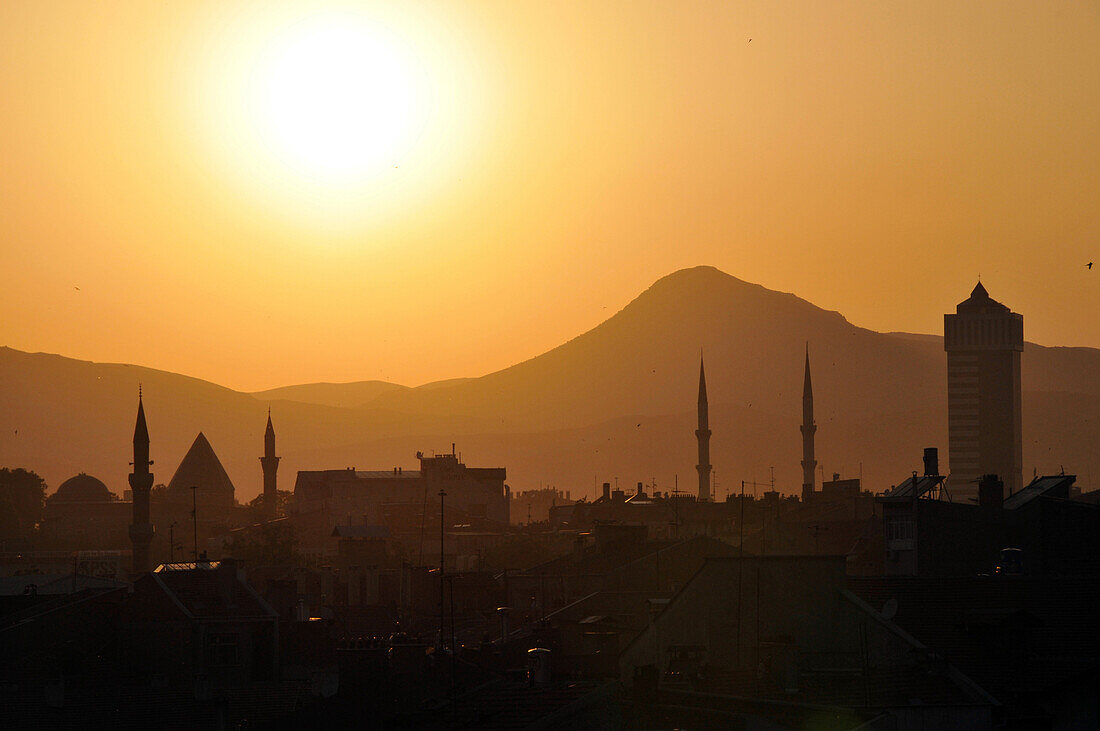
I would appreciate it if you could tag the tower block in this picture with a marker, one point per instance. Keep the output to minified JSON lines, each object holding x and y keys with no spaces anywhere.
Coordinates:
{"x":983,"y":340}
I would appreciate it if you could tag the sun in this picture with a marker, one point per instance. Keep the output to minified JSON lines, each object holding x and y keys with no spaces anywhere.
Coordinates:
{"x":332,"y":121}
{"x":336,"y":100}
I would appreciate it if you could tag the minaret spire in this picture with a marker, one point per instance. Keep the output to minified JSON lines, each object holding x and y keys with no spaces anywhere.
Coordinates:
{"x":270,"y":464}
{"x":809,"y":464}
{"x":703,"y":435}
{"x":141,"y":481}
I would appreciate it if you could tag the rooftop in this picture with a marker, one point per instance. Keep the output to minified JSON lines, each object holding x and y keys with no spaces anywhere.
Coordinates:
{"x":1049,"y":485}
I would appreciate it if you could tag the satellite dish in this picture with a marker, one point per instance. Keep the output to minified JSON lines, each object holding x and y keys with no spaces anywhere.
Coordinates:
{"x":890,"y":608}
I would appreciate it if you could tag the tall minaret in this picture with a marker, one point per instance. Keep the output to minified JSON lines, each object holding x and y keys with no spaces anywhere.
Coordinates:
{"x":141,"y":481}
{"x":270,"y":464}
{"x":809,"y":464}
{"x":703,"y":435}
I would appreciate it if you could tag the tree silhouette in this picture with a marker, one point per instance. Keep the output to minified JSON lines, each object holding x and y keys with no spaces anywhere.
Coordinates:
{"x":271,"y":544}
{"x":22,"y":501}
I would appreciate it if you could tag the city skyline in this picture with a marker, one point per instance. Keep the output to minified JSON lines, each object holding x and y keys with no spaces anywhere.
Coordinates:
{"x":549,"y":364}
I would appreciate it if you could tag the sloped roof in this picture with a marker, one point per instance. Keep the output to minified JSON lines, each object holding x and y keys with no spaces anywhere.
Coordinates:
{"x":361,"y":531}
{"x":980,"y":299}
{"x":1057,"y":614}
{"x":55,"y":584}
{"x":921,"y":485}
{"x":201,"y":468}
{"x":1050,"y":485}
{"x":213,"y":589}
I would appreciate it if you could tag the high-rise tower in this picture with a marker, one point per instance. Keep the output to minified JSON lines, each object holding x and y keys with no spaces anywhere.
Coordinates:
{"x":141,"y":481}
{"x":703,"y":435}
{"x":983,"y":340}
{"x":809,"y":464}
{"x":270,"y":464}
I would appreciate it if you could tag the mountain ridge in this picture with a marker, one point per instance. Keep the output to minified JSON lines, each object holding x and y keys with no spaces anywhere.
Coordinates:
{"x":61,"y":416}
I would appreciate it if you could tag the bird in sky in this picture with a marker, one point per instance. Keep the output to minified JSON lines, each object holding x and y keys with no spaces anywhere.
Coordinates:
{"x":1089,"y":265}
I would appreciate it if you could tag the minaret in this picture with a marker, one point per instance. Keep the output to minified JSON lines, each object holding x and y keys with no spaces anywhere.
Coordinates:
{"x":270,"y":464}
{"x":141,"y":481}
{"x":703,"y":435}
{"x":809,"y":464}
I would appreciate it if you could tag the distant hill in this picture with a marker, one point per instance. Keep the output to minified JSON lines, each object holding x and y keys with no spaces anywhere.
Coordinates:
{"x":617,"y":400}
{"x":346,"y":395}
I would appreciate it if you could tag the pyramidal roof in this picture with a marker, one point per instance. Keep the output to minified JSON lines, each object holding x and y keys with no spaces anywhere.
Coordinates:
{"x":201,"y":468}
{"x":979,"y":299}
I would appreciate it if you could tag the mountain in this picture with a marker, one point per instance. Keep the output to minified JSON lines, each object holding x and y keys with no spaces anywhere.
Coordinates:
{"x":617,"y":400}
{"x":346,"y":395}
{"x":644,"y":360}
{"x":61,"y":416}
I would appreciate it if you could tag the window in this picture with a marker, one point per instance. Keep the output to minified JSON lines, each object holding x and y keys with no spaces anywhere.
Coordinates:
{"x":221,"y":650}
{"x":899,"y":528}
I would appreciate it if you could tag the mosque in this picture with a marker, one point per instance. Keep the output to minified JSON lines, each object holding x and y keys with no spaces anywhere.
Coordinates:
{"x":83,"y":513}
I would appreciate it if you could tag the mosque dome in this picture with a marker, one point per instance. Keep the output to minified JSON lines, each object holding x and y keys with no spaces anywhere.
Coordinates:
{"x":83,"y":488}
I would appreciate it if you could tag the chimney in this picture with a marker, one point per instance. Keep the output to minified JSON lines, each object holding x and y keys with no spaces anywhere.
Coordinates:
{"x":640,"y":493}
{"x":931,"y":461}
{"x":226,"y":577}
{"x":503,"y":612}
{"x":607,"y":491}
{"x":538,"y":667}
{"x":991,"y":492}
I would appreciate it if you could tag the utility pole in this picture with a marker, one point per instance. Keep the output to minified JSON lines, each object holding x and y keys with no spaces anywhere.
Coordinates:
{"x":442,"y":586}
{"x":195,"y":520}
{"x":740,"y":570}
{"x":172,"y":543}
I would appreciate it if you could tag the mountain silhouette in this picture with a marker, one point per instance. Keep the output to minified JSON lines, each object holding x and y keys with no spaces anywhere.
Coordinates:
{"x":349,"y":395}
{"x":616,"y":401}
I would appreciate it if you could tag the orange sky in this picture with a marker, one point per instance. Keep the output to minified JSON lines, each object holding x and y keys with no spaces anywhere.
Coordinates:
{"x":872,"y":157}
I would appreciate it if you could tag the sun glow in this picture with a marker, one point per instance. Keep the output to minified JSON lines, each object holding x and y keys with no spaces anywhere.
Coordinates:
{"x":338,"y":100}
{"x":339,"y":120}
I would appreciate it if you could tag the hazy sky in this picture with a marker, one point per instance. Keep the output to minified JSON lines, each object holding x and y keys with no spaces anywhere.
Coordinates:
{"x":180,"y":165}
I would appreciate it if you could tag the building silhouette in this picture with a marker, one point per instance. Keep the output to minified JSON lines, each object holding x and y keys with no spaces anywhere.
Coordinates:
{"x":270,"y":464}
{"x":201,"y":469}
{"x":398,"y":498}
{"x":983,"y":340}
{"x":703,"y":435}
{"x":84,"y":514}
{"x":809,"y":464}
{"x":141,"y":482}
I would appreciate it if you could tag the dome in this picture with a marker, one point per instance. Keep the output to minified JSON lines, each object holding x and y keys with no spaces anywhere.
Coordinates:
{"x":83,"y":488}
